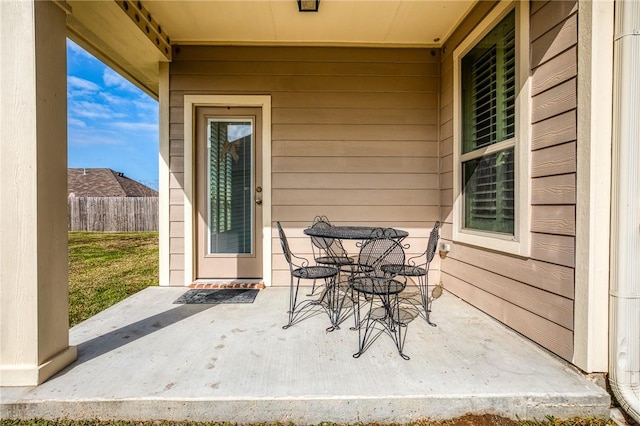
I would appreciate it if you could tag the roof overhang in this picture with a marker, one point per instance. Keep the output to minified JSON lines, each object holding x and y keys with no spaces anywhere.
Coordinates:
{"x":132,"y":36}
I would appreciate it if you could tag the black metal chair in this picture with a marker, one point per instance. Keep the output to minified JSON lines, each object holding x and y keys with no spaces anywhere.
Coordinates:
{"x":299,"y":268}
{"x":378,"y":309}
{"x":418,"y":267}
{"x":328,"y":251}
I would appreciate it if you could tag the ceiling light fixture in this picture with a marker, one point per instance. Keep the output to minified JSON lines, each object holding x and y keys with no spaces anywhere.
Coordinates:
{"x":308,"y":5}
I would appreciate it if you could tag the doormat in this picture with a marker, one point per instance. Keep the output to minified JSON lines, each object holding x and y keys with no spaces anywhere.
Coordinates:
{"x":217,"y":296}
{"x":226,"y":284}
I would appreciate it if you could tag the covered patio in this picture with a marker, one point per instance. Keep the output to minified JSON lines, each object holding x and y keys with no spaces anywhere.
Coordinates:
{"x":363,"y":126}
{"x":149,"y":358}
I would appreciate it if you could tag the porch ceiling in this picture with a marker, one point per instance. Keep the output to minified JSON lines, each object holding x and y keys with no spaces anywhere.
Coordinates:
{"x":104,"y":28}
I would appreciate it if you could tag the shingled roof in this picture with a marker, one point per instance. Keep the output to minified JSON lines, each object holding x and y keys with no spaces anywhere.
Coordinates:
{"x":104,"y":183}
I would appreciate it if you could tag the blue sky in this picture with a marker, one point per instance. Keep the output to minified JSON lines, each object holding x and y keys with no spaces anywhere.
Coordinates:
{"x":111,"y":123}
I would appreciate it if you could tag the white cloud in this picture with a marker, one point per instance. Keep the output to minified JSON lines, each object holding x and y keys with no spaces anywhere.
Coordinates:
{"x":79,"y":51}
{"x":143,"y":127}
{"x":82,"y":84}
{"x":89,"y":109}
{"x":75,"y":122}
{"x":112,"y":99}
{"x":113,"y":79}
{"x":147,"y":104}
{"x":80,"y":88}
{"x":92,"y":137}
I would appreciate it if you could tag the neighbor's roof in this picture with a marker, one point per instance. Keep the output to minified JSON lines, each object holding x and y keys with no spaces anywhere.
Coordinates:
{"x":104,"y":183}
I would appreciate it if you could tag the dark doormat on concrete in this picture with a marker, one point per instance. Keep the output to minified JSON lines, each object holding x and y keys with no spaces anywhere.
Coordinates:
{"x":217,"y":296}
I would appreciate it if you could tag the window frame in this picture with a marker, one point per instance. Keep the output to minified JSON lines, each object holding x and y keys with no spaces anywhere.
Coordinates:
{"x":518,"y":243}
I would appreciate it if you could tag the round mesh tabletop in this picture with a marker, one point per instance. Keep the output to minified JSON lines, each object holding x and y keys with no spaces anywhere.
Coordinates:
{"x":355,"y":232}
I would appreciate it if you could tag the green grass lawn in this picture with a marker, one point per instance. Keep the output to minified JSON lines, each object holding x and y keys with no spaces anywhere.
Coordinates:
{"x":107,"y":267}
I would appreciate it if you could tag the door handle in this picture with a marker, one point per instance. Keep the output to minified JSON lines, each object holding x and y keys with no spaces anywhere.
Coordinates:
{"x":258,"y":200}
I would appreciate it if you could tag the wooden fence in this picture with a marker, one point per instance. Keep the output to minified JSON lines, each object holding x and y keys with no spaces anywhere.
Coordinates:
{"x":113,"y":214}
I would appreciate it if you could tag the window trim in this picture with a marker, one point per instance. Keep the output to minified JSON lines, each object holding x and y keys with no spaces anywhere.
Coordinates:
{"x":517,"y":244}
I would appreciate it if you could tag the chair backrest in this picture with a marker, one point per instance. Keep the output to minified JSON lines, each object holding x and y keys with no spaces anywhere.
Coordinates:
{"x":378,"y":251}
{"x":284,"y":243}
{"x":433,"y":241}
{"x":321,"y":243}
{"x":323,"y":246}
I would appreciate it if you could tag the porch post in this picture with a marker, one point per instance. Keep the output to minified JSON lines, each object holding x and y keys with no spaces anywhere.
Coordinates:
{"x":34,"y":335}
{"x":594,"y":83}
{"x":164,"y":186}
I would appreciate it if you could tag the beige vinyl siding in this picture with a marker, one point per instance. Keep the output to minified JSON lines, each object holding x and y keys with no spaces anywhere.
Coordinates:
{"x":532,"y":295}
{"x":354,"y":135}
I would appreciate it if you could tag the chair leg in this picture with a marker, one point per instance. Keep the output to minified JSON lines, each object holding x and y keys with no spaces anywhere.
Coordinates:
{"x":363,"y":325}
{"x":302,"y":308}
{"x":293,"y":299}
{"x":355,"y":300}
{"x":425,"y":299}
{"x":313,"y":288}
{"x":398,"y":326}
{"x":335,"y":303}
{"x":391,"y":323}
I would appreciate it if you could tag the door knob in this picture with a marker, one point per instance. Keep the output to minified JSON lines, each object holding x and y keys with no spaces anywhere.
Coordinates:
{"x":258,"y":200}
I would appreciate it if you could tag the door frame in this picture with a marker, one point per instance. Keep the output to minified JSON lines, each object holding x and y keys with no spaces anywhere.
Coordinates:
{"x":191,"y":102}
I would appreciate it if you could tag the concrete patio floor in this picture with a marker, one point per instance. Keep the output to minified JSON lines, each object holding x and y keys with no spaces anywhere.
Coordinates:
{"x":149,"y":359}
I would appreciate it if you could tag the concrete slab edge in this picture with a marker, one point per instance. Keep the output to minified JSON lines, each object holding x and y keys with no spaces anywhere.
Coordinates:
{"x":313,"y":411}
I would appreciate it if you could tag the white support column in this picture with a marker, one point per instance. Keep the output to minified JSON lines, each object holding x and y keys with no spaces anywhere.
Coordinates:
{"x":595,"y":79}
{"x":34,"y":308}
{"x":163,"y":181}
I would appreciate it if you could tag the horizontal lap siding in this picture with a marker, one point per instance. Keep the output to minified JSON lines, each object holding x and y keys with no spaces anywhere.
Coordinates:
{"x":532,"y":295}
{"x":354,"y":134}
{"x":554,"y":37}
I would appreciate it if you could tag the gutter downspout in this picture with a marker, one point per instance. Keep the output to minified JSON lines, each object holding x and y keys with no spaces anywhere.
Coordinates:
{"x":624,"y":296}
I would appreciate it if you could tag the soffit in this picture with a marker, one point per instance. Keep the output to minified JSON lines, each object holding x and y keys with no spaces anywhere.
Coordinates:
{"x":103,"y":28}
{"x":338,"y":22}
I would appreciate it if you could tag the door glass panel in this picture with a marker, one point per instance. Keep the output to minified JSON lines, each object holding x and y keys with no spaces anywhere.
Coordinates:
{"x":230,"y":185}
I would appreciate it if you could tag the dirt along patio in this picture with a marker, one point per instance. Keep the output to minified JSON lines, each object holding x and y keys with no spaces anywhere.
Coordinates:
{"x":149,"y":358}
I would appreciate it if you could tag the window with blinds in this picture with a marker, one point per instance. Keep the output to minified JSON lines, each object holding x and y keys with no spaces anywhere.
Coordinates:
{"x":488,"y":92}
{"x":230,"y":176}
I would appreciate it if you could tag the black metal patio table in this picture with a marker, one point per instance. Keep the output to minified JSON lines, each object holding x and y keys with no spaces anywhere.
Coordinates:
{"x":335,"y":302}
{"x":354,"y":232}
